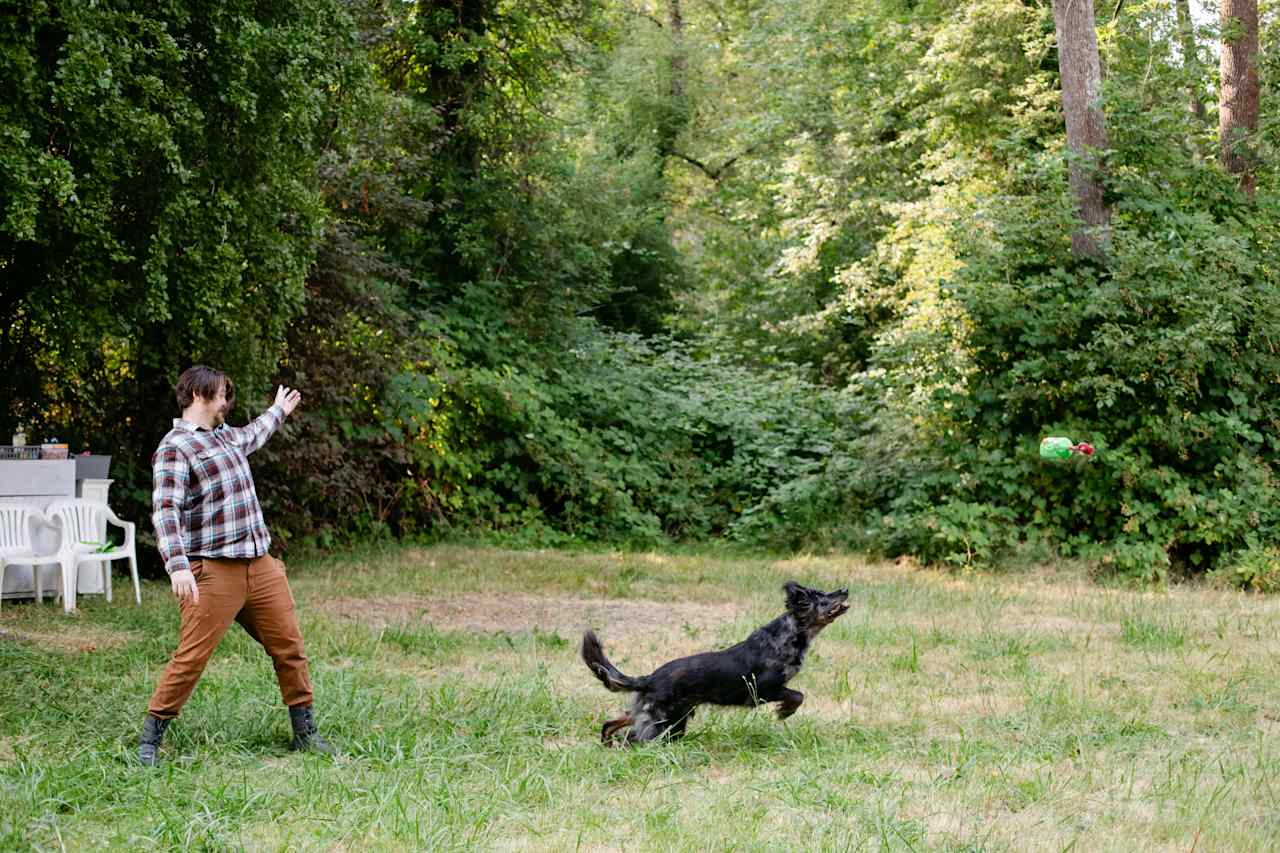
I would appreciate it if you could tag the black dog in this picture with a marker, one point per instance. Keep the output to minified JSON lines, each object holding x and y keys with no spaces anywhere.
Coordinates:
{"x":752,"y":672}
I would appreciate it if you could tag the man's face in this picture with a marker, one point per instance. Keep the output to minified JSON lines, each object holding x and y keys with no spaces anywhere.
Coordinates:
{"x":217,"y":407}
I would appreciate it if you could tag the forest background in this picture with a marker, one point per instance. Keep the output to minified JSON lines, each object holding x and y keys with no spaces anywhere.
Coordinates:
{"x":645,"y":272}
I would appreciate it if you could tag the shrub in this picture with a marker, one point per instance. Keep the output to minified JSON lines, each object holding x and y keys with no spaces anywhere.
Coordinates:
{"x":639,"y":439}
{"x":1255,"y":568}
{"x":622,"y":439}
{"x":1161,"y":355}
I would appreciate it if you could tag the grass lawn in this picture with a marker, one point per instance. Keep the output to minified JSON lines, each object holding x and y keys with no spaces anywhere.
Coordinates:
{"x":1034,"y":711}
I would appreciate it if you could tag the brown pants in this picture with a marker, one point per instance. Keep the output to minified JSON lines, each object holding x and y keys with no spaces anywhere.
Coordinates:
{"x":254,"y":593}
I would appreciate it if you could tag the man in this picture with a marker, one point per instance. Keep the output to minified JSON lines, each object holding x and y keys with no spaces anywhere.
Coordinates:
{"x":214,"y":541}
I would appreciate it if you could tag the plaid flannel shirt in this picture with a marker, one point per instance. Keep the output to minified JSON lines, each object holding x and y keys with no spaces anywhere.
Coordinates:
{"x":204,"y":503}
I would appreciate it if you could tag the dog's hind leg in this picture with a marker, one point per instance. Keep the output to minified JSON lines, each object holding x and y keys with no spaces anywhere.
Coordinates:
{"x":788,"y":701}
{"x":612,"y":727}
{"x":676,"y":731}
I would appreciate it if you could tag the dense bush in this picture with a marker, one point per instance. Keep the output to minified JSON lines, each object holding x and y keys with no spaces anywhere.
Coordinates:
{"x":623,"y":439}
{"x":1162,"y":355}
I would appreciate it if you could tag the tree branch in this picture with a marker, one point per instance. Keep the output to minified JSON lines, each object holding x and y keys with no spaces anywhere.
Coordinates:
{"x":715,"y":173}
{"x":642,"y":14}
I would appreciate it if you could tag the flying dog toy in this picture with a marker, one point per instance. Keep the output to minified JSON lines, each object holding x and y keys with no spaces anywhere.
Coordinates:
{"x":1057,"y":447}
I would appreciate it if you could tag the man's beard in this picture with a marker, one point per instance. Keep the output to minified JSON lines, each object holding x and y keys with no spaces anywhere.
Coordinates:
{"x":219,"y":418}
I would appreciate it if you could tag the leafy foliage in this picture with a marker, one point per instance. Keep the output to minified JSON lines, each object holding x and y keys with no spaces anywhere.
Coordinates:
{"x":786,"y":273}
{"x":1161,"y":356}
{"x":1255,"y":568}
{"x":158,"y":205}
{"x":623,"y":439}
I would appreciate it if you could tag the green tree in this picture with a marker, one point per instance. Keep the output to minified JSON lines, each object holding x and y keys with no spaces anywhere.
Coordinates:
{"x":158,"y":203}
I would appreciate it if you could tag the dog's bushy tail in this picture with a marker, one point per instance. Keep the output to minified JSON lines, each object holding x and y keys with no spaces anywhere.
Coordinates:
{"x":601,"y":668}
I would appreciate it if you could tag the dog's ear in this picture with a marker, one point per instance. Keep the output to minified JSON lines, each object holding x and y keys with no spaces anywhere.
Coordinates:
{"x":799,"y":598}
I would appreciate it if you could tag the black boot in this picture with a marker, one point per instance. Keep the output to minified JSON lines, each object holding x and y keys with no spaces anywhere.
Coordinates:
{"x":305,"y":734}
{"x":149,"y":744}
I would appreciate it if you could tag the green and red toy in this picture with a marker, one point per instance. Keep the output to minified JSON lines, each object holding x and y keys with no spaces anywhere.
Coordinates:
{"x":1057,"y":447}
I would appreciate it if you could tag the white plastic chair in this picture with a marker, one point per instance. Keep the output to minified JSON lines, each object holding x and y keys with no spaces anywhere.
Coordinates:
{"x":17,"y":545}
{"x":81,"y":521}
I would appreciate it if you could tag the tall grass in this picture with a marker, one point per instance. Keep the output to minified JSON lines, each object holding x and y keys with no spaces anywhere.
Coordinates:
{"x":1025,"y":712}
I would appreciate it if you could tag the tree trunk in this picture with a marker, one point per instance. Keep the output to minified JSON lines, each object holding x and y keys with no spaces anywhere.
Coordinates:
{"x":1238,"y":104}
{"x":1190,"y":58}
{"x":1081,"y":74}
{"x":679,"y":62}
{"x":675,"y":117}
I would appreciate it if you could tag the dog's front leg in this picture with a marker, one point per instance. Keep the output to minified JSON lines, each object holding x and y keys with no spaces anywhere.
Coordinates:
{"x":788,"y":701}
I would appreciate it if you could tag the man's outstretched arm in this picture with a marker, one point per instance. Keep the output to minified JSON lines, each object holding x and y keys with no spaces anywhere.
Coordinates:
{"x":255,"y":434}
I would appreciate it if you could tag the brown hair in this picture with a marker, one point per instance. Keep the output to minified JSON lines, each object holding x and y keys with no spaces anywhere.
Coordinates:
{"x":204,"y":382}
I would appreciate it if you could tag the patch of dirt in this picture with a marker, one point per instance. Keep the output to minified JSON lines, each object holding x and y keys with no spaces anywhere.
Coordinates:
{"x":71,"y":639}
{"x":615,"y":619}
{"x":7,"y":751}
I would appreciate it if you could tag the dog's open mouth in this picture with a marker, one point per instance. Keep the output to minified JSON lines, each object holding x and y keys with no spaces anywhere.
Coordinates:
{"x":837,"y":610}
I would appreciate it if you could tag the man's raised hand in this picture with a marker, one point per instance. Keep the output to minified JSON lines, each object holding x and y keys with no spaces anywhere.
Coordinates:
{"x":288,"y":398}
